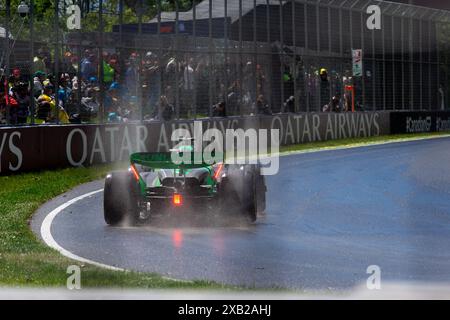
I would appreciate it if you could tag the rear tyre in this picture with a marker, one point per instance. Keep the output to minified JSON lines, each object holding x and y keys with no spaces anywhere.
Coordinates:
{"x":239,"y":191}
{"x":249,"y":199}
{"x":229,"y":201}
{"x":261,"y":190}
{"x":120,"y":200}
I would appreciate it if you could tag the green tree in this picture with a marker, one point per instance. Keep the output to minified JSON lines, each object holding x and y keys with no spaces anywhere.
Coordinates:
{"x":44,"y":15}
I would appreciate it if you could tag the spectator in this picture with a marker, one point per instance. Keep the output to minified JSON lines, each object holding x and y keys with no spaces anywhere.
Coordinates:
{"x":249,"y":81}
{"x":19,"y":113}
{"x":289,"y":105}
{"x":64,"y":91}
{"x":50,"y":80}
{"x":47,"y":109}
{"x":75,"y":83}
{"x":151,"y":83}
{"x":167,"y":110}
{"x":262,"y":107}
{"x":116,"y":111}
{"x":44,"y":103}
{"x":112,"y":98}
{"x":15,"y":78}
{"x":108,"y":71}
{"x":89,"y":103}
{"x":74,"y":64}
{"x":90,"y":88}
{"x":88,"y":69}
{"x":234,"y":97}
{"x":47,"y":58}
{"x":203,"y":84}
{"x":114,"y":63}
{"x":6,"y":101}
{"x":132,"y":75}
{"x":347,"y":102}
{"x":334,"y":104}
{"x":39,"y":61}
{"x":69,"y":64}
{"x":2,"y":104}
{"x":170,"y":71}
{"x":324,"y":86}
{"x":261,"y":79}
{"x":189,"y":85}
{"x":219,"y":110}
{"x":38,"y":79}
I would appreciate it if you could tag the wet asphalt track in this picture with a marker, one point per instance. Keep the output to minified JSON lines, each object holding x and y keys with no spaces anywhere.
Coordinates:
{"x":329,"y":216}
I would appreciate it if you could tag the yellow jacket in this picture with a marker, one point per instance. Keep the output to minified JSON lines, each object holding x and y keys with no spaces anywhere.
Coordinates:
{"x":62,"y":114}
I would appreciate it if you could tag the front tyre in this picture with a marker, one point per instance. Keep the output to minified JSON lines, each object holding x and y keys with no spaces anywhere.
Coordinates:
{"x":120,"y":202}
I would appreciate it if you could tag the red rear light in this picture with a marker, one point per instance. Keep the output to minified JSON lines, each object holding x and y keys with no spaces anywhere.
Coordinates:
{"x":135,"y":172}
{"x":218,"y":171}
{"x":177,"y":199}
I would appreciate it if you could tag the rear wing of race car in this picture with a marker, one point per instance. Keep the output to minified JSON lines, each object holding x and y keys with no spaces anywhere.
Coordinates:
{"x":163,"y":160}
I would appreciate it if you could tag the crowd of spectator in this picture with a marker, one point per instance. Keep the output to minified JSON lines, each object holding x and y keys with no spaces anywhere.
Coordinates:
{"x":141,"y":86}
{"x":134,"y":86}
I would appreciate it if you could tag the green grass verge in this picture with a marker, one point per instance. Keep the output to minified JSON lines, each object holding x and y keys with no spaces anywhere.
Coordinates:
{"x":26,"y":261}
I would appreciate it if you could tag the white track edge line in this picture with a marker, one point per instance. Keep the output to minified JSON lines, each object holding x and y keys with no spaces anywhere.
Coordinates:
{"x":51,"y":242}
{"x":47,"y":236}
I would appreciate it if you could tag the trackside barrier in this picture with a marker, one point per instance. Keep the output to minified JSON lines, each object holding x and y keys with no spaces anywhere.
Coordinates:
{"x":416,"y":122}
{"x":50,"y":146}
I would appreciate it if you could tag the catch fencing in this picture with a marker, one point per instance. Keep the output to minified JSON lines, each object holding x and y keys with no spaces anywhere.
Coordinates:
{"x":254,"y":56}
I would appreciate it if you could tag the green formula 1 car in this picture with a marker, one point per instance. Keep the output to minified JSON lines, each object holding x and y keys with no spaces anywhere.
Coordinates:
{"x":154,"y":185}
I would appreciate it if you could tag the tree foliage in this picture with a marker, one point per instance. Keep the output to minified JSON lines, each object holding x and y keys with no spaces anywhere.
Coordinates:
{"x":44,"y":15}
